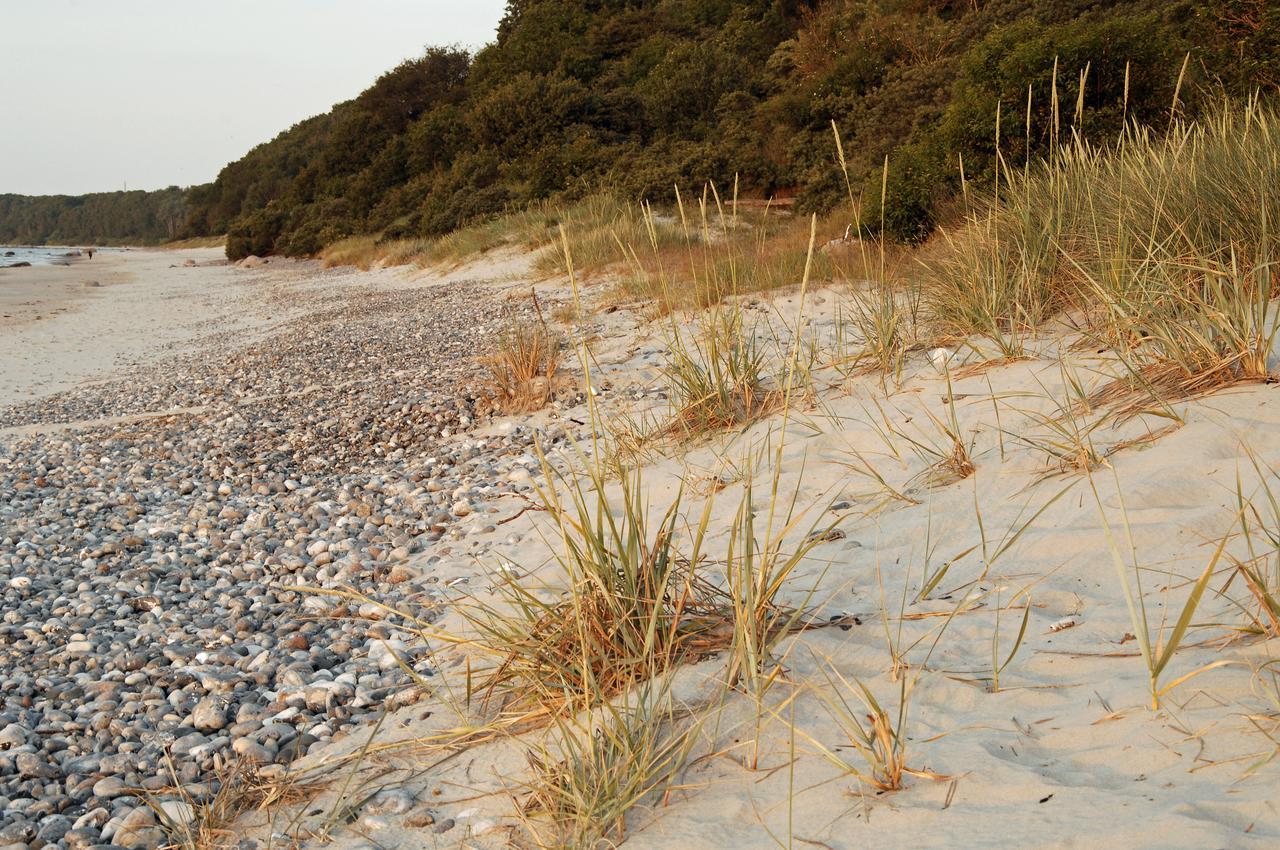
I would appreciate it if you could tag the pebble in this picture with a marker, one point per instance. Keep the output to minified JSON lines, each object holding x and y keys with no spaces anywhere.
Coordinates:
{"x":150,"y":569}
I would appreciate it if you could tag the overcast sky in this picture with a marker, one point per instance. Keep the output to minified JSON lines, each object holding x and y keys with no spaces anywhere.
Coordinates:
{"x":96,"y":94}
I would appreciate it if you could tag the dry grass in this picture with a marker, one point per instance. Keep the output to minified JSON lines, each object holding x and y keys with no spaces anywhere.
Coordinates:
{"x":209,"y":824}
{"x":724,"y":253}
{"x":718,"y":376}
{"x":196,"y":242}
{"x":532,"y":228}
{"x":605,"y":231}
{"x":524,"y":365}
{"x":369,"y":252}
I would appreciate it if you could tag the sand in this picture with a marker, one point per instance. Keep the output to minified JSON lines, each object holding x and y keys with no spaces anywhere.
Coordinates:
{"x":58,"y":330}
{"x":1068,"y":753}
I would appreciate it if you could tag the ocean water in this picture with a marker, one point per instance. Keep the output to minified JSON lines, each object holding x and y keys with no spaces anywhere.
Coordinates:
{"x":44,"y":255}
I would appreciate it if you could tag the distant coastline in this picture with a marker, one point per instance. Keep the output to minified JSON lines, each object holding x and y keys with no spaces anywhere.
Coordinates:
{"x":21,"y":256}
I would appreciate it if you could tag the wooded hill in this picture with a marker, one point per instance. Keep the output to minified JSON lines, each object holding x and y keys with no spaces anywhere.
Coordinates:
{"x":641,"y":96}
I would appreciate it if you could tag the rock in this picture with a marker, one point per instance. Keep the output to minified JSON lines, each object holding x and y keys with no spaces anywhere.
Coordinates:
{"x":91,"y":284}
{"x":177,"y":812}
{"x":53,"y":829}
{"x":419,"y":818}
{"x":150,"y":838}
{"x":251,"y":751}
{"x":14,"y":735}
{"x":209,"y":715}
{"x":80,"y":839}
{"x":390,"y":801}
{"x":34,"y":766}
{"x":149,"y":573}
{"x":252,"y":261}
{"x":135,"y":828}
{"x":109,"y":787}
{"x":400,"y":574}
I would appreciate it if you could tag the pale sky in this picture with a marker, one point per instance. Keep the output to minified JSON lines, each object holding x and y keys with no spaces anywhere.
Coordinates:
{"x":95,"y":94}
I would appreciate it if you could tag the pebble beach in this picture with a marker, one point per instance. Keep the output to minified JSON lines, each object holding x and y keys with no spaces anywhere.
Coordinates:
{"x":245,"y":510}
{"x":153,"y":630}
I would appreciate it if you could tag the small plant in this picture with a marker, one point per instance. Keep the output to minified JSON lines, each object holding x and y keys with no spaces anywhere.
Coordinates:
{"x":1066,"y":436}
{"x":886,"y":325}
{"x":886,"y":331}
{"x":884,"y":493}
{"x":717,"y":379}
{"x":597,"y":771}
{"x":524,"y":365}
{"x":878,"y":738}
{"x":1260,"y":529}
{"x":947,"y":450}
{"x":756,"y":572}
{"x":998,"y":666}
{"x":1157,"y":653}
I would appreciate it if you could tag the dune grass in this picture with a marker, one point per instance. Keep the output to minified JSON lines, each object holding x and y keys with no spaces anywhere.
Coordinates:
{"x":1160,"y":245}
{"x":523,"y":365}
{"x":634,"y":601}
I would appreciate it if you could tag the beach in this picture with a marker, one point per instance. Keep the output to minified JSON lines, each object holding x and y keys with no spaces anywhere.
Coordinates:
{"x":91,"y":318}
{"x":243,"y":506}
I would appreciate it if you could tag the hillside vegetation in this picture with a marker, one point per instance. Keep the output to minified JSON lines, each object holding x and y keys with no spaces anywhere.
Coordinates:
{"x":637,"y":97}
{"x":643,"y":95}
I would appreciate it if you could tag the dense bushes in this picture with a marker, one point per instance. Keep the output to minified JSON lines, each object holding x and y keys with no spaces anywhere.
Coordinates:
{"x":642,"y":95}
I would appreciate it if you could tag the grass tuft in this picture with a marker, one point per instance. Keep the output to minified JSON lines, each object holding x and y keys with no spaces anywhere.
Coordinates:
{"x":524,"y":366}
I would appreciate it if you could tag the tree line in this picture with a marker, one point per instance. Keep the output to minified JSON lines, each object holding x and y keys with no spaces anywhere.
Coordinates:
{"x":105,"y":218}
{"x":642,"y":96}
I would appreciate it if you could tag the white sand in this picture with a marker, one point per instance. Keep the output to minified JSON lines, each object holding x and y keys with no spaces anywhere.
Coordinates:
{"x":1067,"y":754}
{"x":58,"y":332}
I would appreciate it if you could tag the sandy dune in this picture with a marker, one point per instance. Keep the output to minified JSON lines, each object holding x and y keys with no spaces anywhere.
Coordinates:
{"x":1067,"y":753}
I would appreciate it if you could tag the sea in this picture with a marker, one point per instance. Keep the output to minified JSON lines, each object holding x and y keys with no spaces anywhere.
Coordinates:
{"x":42,"y":255}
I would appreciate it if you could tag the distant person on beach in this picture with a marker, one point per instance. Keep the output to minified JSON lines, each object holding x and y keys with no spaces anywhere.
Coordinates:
{"x":89,"y":251}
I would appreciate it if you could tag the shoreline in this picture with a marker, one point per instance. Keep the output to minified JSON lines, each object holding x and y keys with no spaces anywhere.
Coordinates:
{"x":65,"y":324}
